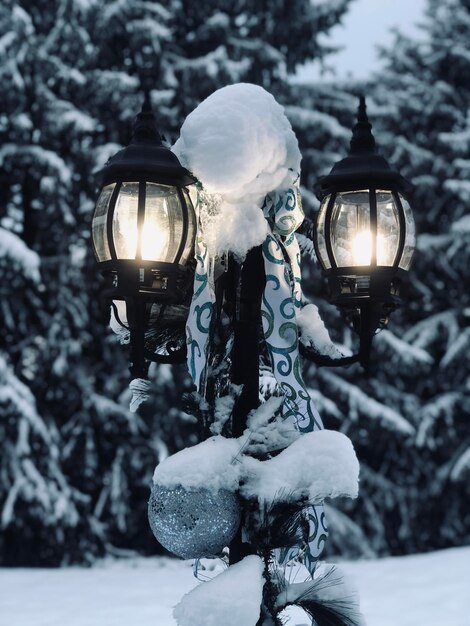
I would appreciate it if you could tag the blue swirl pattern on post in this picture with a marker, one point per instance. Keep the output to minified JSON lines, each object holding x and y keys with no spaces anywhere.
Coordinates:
{"x":282,"y":297}
{"x":199,"y":317}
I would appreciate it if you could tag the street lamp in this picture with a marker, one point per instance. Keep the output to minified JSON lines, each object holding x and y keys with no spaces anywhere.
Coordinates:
{"x":365,"y":234}
{"x":143,"y":232}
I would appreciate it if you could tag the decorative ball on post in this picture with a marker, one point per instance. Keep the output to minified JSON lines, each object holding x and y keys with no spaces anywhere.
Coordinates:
{"x":365,"y":234}
{"x":193,"y":523}
{"x":143,"y":231}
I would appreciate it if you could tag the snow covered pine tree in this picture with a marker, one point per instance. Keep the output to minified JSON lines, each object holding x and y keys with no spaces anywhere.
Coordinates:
{"x":69,"y":92}
{"x":75,"y":463}
{"x":422,"y":101}
{"x":408,"y":421}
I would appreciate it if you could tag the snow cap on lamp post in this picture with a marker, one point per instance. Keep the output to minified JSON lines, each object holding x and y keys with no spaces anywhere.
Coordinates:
{"x":365,"y":233}
{"x":143,"y":231}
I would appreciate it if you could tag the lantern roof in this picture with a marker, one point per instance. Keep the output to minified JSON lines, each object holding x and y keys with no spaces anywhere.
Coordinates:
{"x":363,"y":167}
{"x":146,"y":157}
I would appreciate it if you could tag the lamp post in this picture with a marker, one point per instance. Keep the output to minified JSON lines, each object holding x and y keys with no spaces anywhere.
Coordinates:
{"x":365,"y":234}
{"x":143,"y":232}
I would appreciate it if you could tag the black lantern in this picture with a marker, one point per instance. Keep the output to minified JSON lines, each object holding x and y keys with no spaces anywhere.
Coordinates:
{"x":365,"y":233}
{"x":143,"y":231}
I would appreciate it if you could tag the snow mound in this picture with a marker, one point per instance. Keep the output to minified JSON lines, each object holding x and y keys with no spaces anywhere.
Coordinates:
{"x":318,"y":465}
{"x":246,"y":125}
{"x":211,"y":465}
{"x":232,"y":598}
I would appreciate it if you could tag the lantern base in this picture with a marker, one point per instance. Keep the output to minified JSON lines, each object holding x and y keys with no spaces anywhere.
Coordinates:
{"x":162,"y":283}
{"x":352,"y":287}
{"x":367,"y":296}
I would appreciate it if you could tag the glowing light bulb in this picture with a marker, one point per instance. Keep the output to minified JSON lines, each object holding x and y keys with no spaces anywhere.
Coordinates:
{"x":362,"y":249}
{"x":154,"y":240}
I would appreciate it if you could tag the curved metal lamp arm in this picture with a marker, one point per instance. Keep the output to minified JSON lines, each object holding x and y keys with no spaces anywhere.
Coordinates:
{"x":326,"y":361}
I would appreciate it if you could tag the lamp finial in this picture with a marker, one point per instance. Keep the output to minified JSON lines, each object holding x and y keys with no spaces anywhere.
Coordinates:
{"x":362,"y":140}
{"x":145,"y":128}
{"x":147,"y":103}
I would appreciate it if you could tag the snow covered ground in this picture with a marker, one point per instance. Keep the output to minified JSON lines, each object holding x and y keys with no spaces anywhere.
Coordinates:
{"x":422,"y":590}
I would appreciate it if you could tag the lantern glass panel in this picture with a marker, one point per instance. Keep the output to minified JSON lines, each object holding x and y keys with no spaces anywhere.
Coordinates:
{"x":320,"y":234}
{"x":351,"y":238}
{"x":163,"y":225}
{"x":388,"y":228}
{"x":410,"y":236}
{"x":125,"y":233}
{"x":98,"y":227}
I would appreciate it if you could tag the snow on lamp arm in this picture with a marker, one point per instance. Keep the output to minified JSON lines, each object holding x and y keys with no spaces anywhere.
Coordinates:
{"x":143,"y":232}
{"x":365,"y":236}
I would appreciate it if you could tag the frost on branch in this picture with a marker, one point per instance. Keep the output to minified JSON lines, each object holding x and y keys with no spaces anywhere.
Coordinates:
{"x":267,"y":431}
{"x":41,"y":488}
{"x":223,"y":408}
{"x":232,"y":598}
{"x":409,"y":355}
{"x":14,"y":251}
{"x":461,"y":468}
{"x":359,"y":403}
